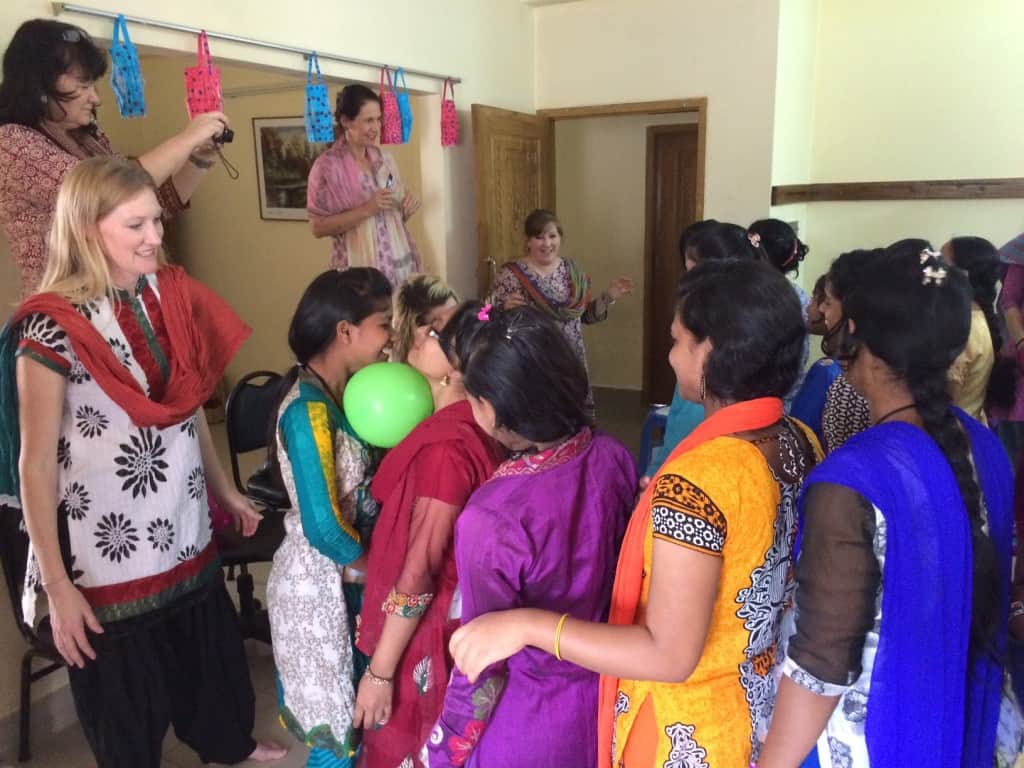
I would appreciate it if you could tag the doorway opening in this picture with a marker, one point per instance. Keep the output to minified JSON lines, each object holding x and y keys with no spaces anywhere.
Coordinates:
{"x":625,"y":179}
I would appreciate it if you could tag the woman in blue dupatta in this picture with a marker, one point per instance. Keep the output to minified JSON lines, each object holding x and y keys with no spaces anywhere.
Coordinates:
{"x":904,"y":566}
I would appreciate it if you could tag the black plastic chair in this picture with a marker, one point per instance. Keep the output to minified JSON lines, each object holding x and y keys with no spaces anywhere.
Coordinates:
{"x":14,"y":556}
{"x":248,"y":415}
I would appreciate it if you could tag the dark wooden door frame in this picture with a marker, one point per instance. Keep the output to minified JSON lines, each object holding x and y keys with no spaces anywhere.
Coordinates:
{"x":650,"y":220}
{"x":698,"y":106}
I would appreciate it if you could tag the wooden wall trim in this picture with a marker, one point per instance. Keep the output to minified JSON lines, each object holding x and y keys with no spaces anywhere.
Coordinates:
{"x":947,"y":189}
{"x":629,"y":108}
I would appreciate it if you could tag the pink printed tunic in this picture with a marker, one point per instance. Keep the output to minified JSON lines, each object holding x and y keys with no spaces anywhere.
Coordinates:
{"x":336,"y":184}
{"x":32,"y":166}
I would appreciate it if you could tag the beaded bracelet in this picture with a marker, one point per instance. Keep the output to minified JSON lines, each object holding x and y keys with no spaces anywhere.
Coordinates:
{"x":377,"y":680}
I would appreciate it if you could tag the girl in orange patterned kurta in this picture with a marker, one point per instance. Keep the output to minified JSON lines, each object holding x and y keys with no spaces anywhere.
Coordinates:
{"x":705,"y":571}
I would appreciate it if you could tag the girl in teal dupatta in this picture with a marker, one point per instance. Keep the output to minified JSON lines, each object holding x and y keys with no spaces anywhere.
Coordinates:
{"x":555,"y":285}
{"x":314,"y":593}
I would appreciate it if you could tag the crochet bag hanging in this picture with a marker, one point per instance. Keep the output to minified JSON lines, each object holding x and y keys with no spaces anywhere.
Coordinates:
{"x":202,"y":82}
{"x":319,"y":122}
{"x":404,"y":109}
{"x":390,"y":118}
{"x":449,"y":117}
{"x":126,"y":74}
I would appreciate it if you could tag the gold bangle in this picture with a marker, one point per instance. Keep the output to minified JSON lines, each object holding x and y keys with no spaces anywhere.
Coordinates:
{"x":558,"y":636}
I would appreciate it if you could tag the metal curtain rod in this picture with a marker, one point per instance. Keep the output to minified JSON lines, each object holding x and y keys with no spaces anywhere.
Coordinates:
{"x":59,"y":8}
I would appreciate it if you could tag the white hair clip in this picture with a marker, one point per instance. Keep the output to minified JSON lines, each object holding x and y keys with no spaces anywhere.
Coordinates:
{"x":928,"y":253}
{"x":754,"y":238}
{"x":933,"y":275}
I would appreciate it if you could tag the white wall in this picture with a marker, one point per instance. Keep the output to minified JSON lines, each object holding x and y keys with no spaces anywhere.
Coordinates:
{"x":608,"y":51}
{"x":600,"y":189}
{"x":917,"y":89}
{"x":793,"y":137}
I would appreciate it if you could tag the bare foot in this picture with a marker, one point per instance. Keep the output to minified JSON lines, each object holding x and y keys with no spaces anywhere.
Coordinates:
{"x":267,"y":751}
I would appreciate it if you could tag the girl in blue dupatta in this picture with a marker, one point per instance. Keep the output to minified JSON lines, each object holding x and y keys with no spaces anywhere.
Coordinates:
{"x":895,"y":656}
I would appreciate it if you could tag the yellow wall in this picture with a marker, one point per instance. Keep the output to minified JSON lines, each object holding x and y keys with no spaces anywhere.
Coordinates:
{"x":608,"y":51}
{"x":260,"y":266}
{"x":600,"y":189}
{"x":915,"y":90}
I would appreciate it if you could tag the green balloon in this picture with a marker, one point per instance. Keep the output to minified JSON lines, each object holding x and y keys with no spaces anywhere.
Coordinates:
{"x":385,"y":401}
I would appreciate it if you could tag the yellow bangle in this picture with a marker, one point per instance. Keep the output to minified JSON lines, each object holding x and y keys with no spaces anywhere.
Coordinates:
{"x":558,"y":636}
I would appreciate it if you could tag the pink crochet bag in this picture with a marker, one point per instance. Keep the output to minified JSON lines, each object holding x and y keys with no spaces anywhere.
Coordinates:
{"x":390,"y":117}
{"x":449,"y":117}
{"x":202,"y":82}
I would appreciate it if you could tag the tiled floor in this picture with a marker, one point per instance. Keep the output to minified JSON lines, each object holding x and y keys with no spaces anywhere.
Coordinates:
{"x":620,"y":413}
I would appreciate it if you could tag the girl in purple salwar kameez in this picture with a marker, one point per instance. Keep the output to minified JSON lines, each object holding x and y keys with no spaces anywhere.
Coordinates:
{"x":544,"y":532}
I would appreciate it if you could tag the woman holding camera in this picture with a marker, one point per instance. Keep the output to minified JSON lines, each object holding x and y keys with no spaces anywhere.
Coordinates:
{"x":48,"y":101}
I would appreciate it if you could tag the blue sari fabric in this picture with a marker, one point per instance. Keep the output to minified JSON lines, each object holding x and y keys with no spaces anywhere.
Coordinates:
{"x":928,"y":699}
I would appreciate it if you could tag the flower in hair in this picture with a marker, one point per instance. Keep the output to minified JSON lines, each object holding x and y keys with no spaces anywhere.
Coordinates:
{"x":928,"y":253}
{"x":484,"y":314}
{"x":933,"y":275}
{"x":754,"y":238}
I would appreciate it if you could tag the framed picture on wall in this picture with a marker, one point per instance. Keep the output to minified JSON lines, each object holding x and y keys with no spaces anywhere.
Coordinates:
{"x":283,"y":161}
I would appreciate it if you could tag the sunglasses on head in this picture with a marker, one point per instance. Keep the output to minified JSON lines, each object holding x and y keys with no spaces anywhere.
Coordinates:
{"x":74,"y":35}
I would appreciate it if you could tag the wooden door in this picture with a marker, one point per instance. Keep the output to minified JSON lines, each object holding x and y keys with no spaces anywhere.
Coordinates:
{"x":515,"y":173}
{"x":672,"y":172}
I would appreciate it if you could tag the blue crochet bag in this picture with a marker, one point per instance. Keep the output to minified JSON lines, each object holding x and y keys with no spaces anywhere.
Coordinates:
{"x":319,"y":121}
{"x":126,"y":75}
{"x":404,"y":109}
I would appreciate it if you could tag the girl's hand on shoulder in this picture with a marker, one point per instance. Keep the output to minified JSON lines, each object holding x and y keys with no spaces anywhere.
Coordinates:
{"x":486,"y":640}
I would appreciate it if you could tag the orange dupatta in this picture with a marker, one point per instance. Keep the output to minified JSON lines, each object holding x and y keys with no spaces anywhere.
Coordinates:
{"x":741,"y":417}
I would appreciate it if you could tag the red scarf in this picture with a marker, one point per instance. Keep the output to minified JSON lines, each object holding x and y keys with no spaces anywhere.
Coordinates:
{"x":397,"y":496}
{"x":204,"y":331}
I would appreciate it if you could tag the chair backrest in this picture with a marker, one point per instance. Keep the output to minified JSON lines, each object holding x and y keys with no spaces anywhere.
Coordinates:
{"x":14,"y":558}
{"x":248,"y":415}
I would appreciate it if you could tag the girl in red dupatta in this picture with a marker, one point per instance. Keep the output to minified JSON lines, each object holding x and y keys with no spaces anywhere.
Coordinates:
{"x":411,"y":603}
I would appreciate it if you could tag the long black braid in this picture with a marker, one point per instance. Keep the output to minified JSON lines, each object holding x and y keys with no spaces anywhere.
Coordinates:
{"x":914,"y":314}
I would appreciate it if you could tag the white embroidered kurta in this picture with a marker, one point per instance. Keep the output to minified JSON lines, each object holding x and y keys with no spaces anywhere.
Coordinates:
{"x":326,"y":471}
{"x":133,"y":499}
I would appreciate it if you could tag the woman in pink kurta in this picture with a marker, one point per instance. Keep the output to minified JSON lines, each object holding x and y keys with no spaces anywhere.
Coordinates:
{"x":355,"y":195}
{"x":48,"y":102}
